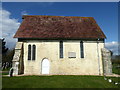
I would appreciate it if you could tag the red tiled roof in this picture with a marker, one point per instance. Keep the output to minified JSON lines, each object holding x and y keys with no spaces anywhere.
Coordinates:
{"x":64,"y":27}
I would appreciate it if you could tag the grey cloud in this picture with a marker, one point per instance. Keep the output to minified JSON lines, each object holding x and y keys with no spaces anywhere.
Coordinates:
{"x":113,"y":46}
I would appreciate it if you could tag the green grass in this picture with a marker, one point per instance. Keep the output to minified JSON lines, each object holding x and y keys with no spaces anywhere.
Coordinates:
{"x":5,"y":73}
{"x":115,"y":69}
{"x":57,"y":81}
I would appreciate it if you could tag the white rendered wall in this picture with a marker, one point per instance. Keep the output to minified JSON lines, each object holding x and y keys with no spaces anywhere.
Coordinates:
{"x":68,"y":66}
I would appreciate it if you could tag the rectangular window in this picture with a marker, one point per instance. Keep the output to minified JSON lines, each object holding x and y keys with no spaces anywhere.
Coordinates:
{"x":33,"y":52}
{"x":61,"y":49}
{"x":29,"y":52}
{"x":81,"y":49}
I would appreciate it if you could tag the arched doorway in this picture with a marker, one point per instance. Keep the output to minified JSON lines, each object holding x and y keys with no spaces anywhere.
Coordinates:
{"x":45,"y":66}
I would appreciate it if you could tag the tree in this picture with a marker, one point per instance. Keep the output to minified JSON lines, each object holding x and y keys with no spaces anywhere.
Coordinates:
{"x":111,"y":53}
{"x":7,"y":59}
{"x":4,"y":49}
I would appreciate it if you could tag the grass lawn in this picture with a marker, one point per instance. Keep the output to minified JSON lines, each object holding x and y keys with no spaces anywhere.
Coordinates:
{"x":5,"y":73}
{"x":56,"y":81}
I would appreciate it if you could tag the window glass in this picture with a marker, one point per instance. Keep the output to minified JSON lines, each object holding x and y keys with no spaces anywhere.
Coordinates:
{"x":81,"y":49}
{"x":29,"y":52}
{"x":33,"y":52}
{"x":61,"y":49}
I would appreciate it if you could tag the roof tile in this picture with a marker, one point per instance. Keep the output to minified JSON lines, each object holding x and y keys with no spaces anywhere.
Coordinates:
{"x":65,"y":27}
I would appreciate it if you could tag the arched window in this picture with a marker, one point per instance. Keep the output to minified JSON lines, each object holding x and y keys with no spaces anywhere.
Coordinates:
{"x":33,"y":52}
{"x":29,"y":52}
{"x":61,"y":49}
{"x":81,"y":49}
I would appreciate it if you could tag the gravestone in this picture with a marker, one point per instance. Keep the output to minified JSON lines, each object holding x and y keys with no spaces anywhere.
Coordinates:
{"x":106,"y":58}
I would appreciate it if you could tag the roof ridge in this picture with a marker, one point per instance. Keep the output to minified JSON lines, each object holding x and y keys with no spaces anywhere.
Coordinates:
{"x":24,"y":16}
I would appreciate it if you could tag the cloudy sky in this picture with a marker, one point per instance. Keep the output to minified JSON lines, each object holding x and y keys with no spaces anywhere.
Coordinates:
{"x":106,"y":15}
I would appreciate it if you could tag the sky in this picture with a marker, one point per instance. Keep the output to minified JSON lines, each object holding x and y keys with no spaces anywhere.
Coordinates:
{"x":106,"y":15}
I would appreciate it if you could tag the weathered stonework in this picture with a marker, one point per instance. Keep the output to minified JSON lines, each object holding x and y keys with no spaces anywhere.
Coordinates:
{"x":17,"y":58}
{"x":107,"y":65}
